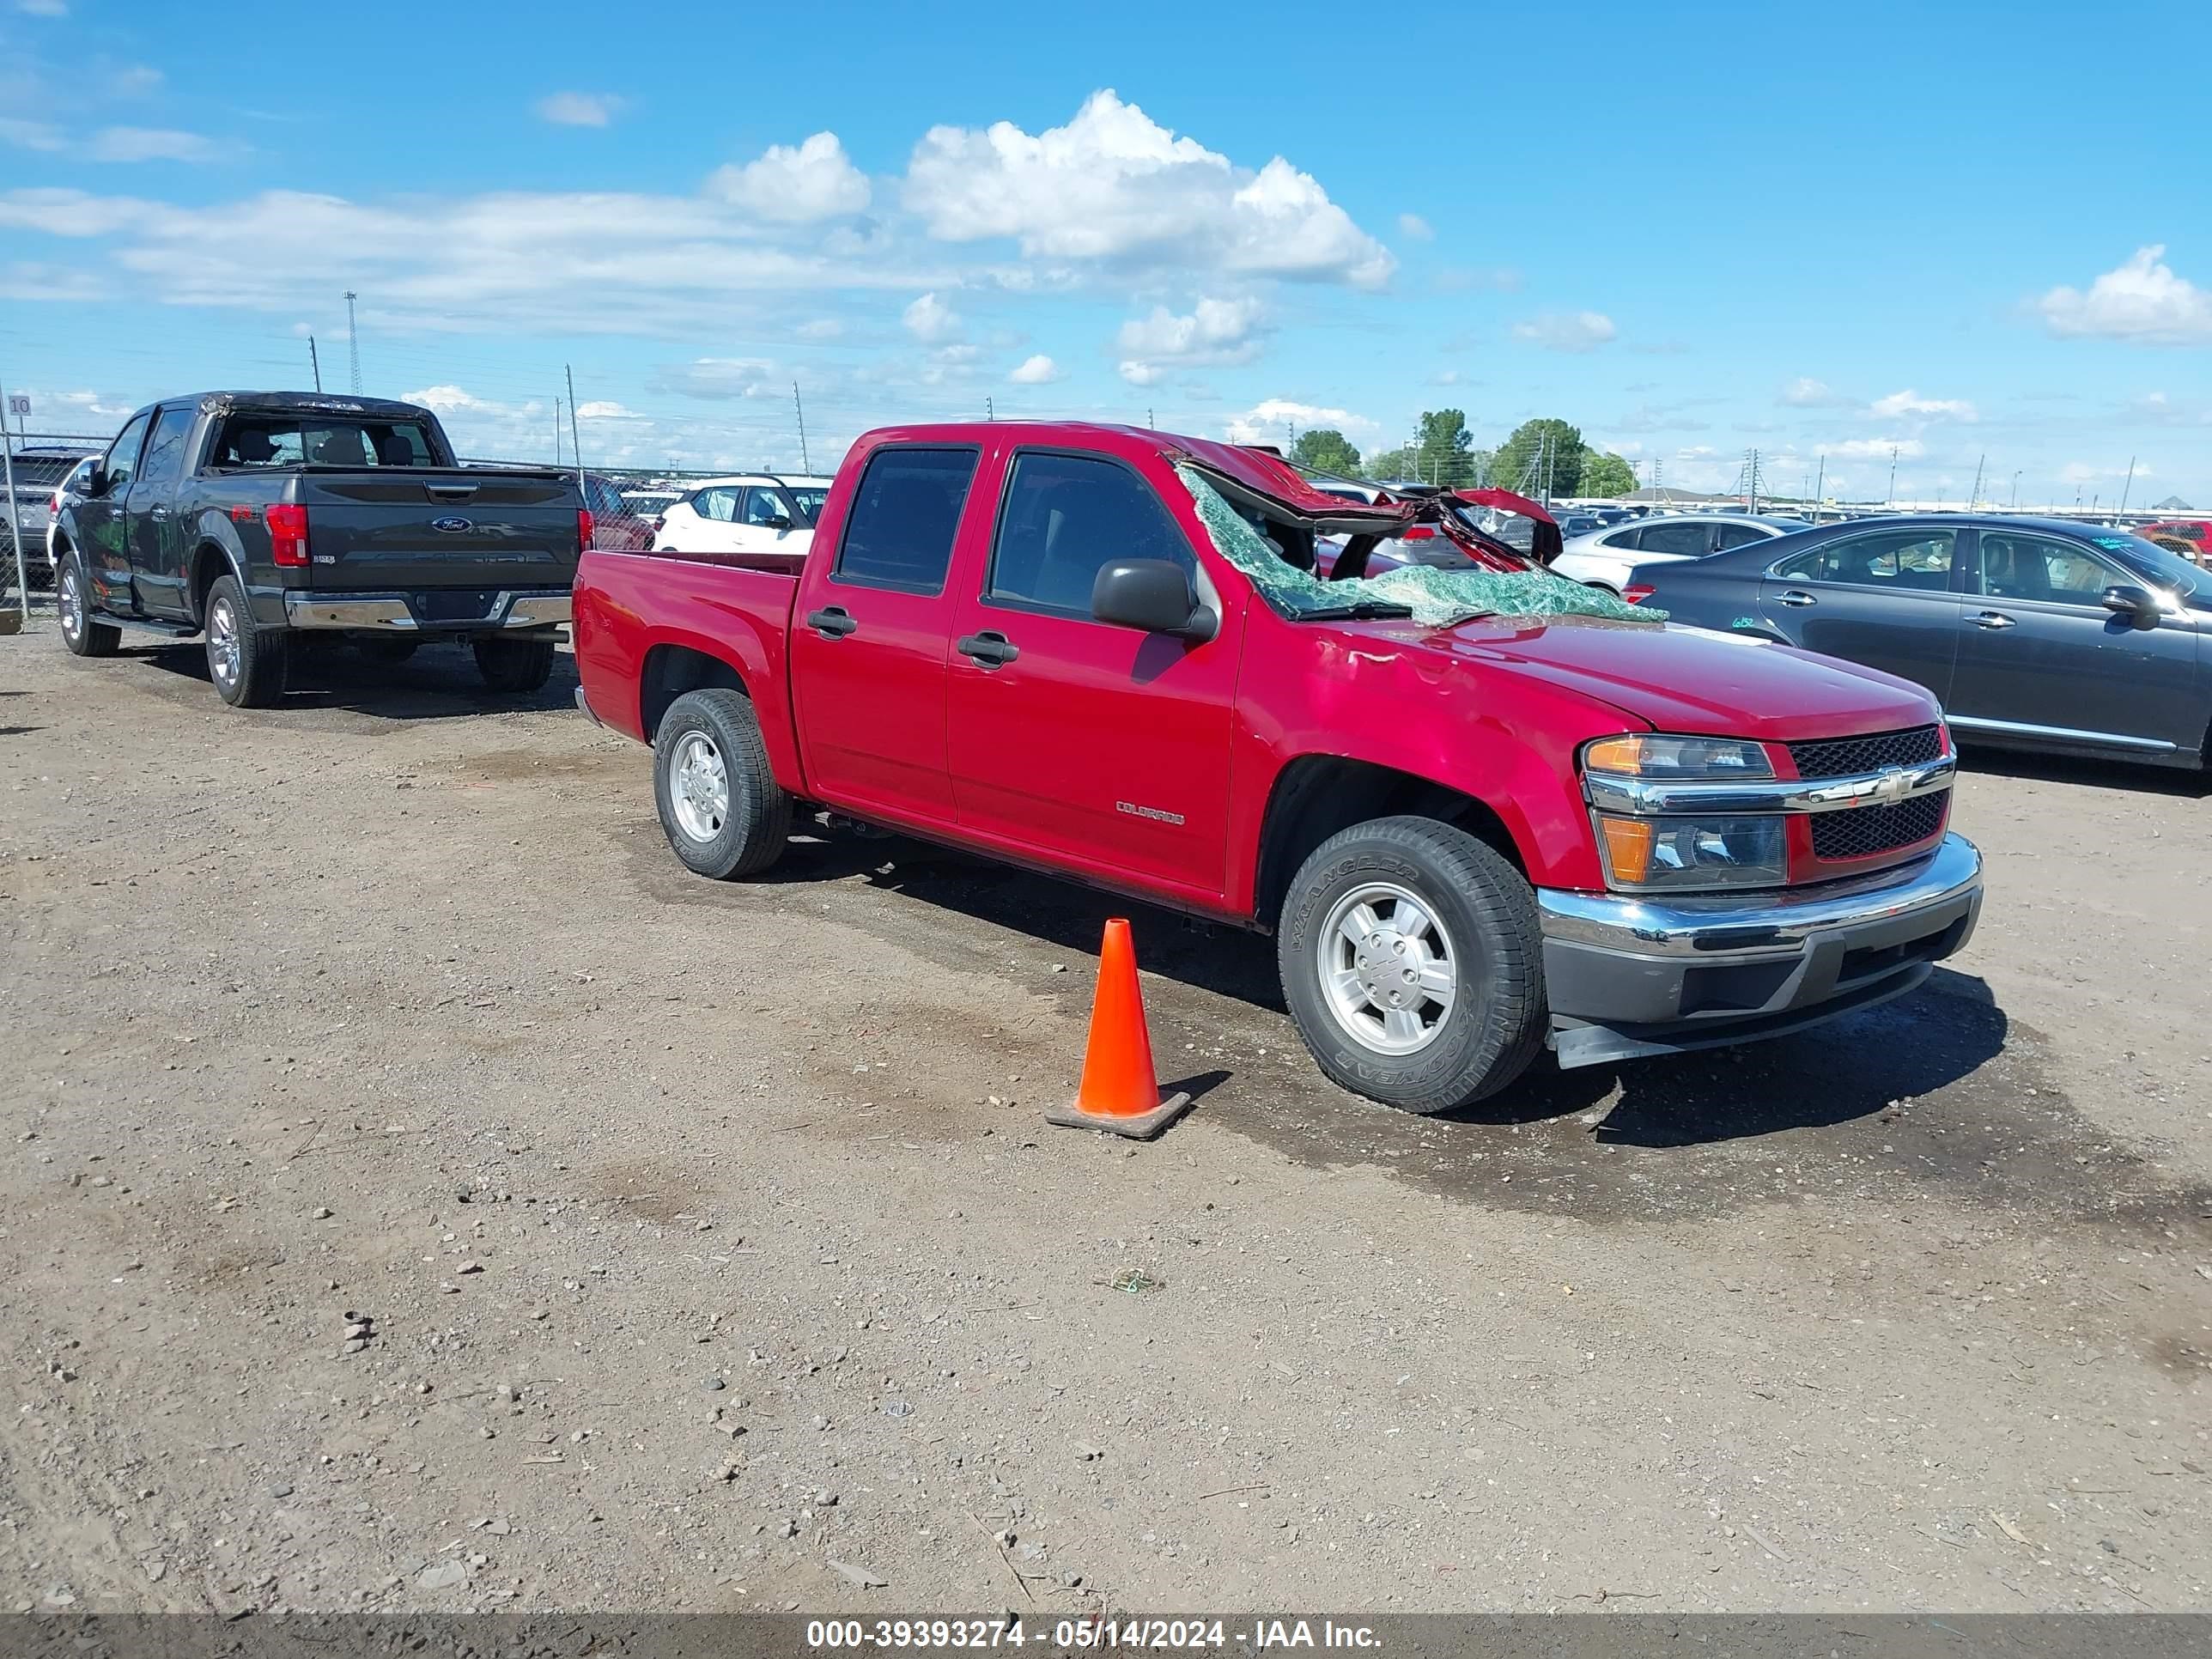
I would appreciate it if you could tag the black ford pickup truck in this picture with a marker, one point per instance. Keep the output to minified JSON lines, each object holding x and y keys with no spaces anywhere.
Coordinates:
{"x":254,"y":516}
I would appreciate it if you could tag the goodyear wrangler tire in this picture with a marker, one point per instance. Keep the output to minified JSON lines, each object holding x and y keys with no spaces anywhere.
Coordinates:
{"x":1412,"y":959}
{"x":721,"y":806}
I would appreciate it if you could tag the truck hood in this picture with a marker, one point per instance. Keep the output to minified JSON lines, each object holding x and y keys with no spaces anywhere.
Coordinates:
{"x":1686,"y":680}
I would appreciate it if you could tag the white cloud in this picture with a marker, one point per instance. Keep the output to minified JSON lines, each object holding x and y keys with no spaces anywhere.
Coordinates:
{"x":1866,"y":448}
{"x":1805,"y":393}
{"x":821,"y":328}
{"x":149,"y":144}
{"x":604,"y":410}
{"x":930,"y":320}
{"x":1039,"y":370}
{"x":29,"y":281}
{"x":32,"y":135}
{"x":2082,"y":472}
{"x":580,"y":109}
{"x":1576,"y":331}
{"x":2141,"y":301}
{"x":1266,"y":422}
{"x":796,"y":185}
{"x":1214,"y":334}
{"x":724,"y":377}
{"x":43,"y":8}
{"x":1413,"y":225}
{"x":1113,"y":185}
{"x":1909,"y":402}
{"x":444,"y":399}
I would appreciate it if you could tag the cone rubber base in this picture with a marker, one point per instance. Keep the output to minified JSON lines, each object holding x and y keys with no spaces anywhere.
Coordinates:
{"x":1142,"y":1126}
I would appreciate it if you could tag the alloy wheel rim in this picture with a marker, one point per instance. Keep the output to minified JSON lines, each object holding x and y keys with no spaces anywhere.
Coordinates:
{"x":699,"y":787}
{"x":72,"y":604}
{"x":1389,"y":972}
{"x":222,"y":642}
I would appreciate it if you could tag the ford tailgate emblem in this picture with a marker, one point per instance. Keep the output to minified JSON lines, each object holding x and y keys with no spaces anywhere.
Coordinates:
{"x":452,"y":527}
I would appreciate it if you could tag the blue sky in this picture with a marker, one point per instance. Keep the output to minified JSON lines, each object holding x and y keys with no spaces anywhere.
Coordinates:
{"x":1959,"y":230}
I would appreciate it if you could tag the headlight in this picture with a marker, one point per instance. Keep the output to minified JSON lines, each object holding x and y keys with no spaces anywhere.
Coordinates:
{"x":1646,"y":755}
{"x":1692,"y":853}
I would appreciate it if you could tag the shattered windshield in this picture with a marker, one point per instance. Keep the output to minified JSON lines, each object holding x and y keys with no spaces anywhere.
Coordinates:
{"x":1430,"y":596}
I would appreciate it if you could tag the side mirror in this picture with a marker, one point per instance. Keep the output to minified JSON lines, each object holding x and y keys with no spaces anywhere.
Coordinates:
{"x":95,"y":483}
{"x":1153,"y":594}
{"x":778,"y":524}
{"x":2124,"y":599}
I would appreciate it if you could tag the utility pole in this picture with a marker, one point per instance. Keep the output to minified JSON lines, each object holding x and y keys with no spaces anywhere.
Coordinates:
{"x":1891,"y":498}
{"x":2016,"y":490}
{"x":575,"y":440}
{"x":314,"y":362}
{"x":14,"y":519}
{"x":804,"y":463}
{"x":2129,"y":487}
{"x":1977,"y":500}
{"x":1820,"y":488}
{"x":990,"y":412}
{"x":556,"y":432}
{"x":1150,"y":422}
{"x":353,"y":343}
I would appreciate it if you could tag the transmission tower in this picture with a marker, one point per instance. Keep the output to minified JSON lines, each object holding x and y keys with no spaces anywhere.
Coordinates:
{"x":353,"y":345}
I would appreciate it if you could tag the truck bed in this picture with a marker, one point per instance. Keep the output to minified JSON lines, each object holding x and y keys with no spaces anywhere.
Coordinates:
{"x":640,"y":616}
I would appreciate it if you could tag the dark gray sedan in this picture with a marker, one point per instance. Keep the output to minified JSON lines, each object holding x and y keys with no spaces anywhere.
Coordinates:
{"x":2035,"y":633}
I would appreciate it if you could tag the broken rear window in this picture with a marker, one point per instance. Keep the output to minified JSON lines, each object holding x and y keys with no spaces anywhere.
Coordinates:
{"x":255,"y":440}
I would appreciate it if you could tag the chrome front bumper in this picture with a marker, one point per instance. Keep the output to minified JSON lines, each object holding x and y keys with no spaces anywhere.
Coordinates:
{"x":1630,"y":976}
{"x":391,"y":613}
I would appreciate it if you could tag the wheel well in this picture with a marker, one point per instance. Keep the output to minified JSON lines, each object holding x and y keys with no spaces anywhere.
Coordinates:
{"x":673,"y":670}
{"x":210,"y":564}
{"x":1318,"y":795}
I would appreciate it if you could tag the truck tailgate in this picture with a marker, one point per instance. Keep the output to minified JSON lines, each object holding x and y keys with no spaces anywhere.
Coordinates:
{"x":460,"y":527}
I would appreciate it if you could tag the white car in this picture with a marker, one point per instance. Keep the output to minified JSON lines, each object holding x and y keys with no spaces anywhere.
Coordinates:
{"x":1603,"y":558}
{"x":748,"y":512}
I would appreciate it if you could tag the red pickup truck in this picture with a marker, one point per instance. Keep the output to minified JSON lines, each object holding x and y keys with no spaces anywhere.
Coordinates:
{"x":1057,"y":644}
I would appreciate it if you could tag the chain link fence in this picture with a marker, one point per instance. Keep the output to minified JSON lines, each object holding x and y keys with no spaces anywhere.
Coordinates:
{"x":35,"y":465}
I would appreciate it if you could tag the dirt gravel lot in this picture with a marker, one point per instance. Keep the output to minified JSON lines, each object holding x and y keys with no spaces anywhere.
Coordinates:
{"x":421,"y":1192}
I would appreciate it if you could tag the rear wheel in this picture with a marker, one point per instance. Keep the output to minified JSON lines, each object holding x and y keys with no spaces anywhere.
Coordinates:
{"x":387,"y":650}
{"x":721,"y":806}
{"x":1412,"y":960}
{"x":80,"y":632}
{"x":248,"y":662}
{"x":514,"y":666}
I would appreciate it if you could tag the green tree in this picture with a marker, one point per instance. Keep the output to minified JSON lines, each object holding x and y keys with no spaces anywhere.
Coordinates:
{"x":1606,"y":475}
{"x":1397,"y":463}
{"x":1445,"y":449}
{"x":1326,"y":450}
{"x":1559,"y":446}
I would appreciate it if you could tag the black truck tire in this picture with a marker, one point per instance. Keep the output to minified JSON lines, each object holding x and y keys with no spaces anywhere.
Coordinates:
{"x":388,"y":651}
{"x":724,"y":813}
{"x":84,"y":634}
{"x":249,"y":663}
{"x":514,"y":666}
{"x":1412,"y":959}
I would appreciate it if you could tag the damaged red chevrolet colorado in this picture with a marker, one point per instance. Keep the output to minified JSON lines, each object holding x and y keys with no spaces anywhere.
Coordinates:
{"x":1104,"y":653}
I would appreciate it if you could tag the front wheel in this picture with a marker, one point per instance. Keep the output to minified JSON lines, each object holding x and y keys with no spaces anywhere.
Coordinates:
{"x":84,"y":636}
{"x":721,"y":806}
{"x":514,"y":666}
{"x":1412,"y":960}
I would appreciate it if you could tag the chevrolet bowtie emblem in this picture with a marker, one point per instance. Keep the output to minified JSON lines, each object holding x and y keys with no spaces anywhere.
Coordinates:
{"x":1895,"y":782}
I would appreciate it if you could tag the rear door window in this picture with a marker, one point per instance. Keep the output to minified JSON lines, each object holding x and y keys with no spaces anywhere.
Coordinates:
{"x":165,"y":454}
{"x":764,"y":509}
{"x":905,"y":513}
{"x":1912,"y":560}
{"x":1065,"y":516}
{"x":1691,"y":540}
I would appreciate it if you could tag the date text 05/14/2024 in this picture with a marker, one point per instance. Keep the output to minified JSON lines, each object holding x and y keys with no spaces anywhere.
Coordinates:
{"x":1084,"y":1634}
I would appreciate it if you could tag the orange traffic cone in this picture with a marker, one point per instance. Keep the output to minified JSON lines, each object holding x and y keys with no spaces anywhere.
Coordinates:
{"x":1120,"y":1093}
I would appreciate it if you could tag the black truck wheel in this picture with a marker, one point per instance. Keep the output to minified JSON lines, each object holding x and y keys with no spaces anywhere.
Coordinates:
{"x":248,"y":663}
{"x":721,"y":806}
{"x":84,"y":635}
{"x":514,"y":666}
{"x":1412,"y":959}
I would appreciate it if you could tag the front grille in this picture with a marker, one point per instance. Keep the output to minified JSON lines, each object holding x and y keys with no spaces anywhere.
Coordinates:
{"x":1864,"y":831}
{"x":1844,"y":757}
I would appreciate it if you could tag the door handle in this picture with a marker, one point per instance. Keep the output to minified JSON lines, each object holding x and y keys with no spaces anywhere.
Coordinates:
{"x":157,"y":512}
{"x":1796,"y":596}
{"x":1989,"y":619}
{"x":832,"y":622}
{"x":988,"y":650}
